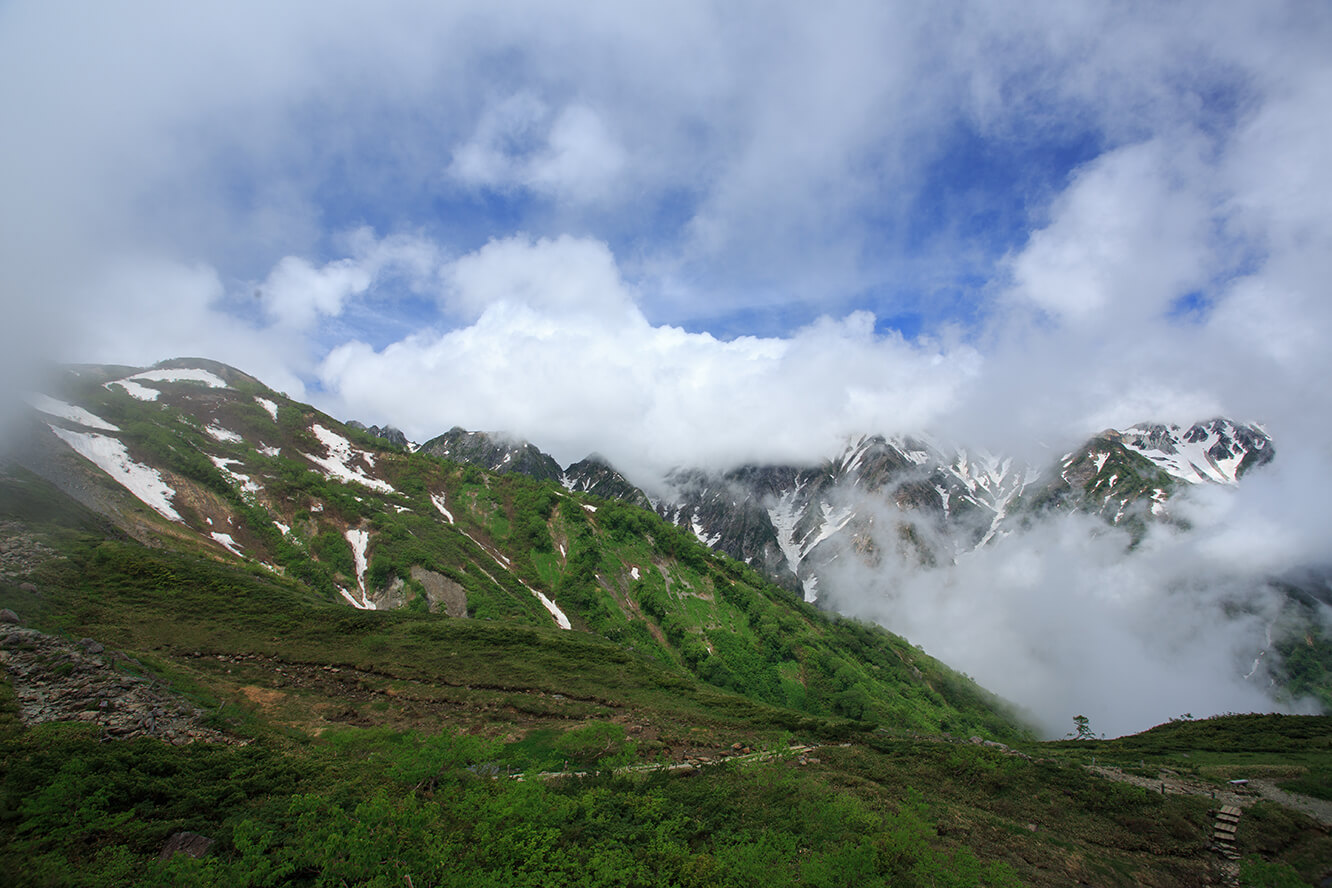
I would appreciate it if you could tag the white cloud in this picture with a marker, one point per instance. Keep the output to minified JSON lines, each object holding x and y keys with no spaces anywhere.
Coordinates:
{"x":1061,"y":619}
{"x":560,"y":354}
{"x":564,"y":275}
{"x":296,"y":292}
{"x":1127,"y":237}
{"x":570,"y":156}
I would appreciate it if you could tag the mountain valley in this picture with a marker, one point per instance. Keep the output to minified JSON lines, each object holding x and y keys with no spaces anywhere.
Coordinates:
{"x":390,"y":636}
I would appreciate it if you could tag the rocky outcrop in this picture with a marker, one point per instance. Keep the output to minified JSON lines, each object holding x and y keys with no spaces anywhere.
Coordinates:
{"x":596,"y":476}
{"x":188,"y":843}
{"x":495,"y":452}
{"x":442,"y":593}
{"x":57,"y":680}
{"x":387,"y":433}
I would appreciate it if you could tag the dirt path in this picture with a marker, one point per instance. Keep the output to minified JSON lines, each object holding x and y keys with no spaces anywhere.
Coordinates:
{"x":1318,"y":809}
{"x":1241,"y":796}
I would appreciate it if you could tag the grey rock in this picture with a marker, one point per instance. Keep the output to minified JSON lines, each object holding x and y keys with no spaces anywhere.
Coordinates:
{"x":188,"y":843}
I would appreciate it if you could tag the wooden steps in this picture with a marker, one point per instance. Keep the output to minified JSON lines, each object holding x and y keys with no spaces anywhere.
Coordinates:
{"x":1224,"y":831}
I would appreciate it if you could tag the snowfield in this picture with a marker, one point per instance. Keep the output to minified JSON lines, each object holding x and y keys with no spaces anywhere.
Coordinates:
{"x":268,"y":405}
{"x":359,"y":540}
{"x":560,"y":619}
{"x":110,"y":455}
{"x":226,"y":436}
{"x":246,"y":484}
{"x":225,"y":540}
{"x":438,"y":500}
{"x":134,"y":390}
{"x":337,"y":464}
{"x":52,"y":407}
{"x":133,"y":387}
{"x":183,"y":374}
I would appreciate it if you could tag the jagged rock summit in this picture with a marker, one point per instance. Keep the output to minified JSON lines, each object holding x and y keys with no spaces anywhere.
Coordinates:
{"x":495,"y":452}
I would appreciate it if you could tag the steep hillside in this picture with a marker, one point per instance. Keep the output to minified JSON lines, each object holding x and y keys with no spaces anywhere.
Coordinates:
{"x":202,"y":458}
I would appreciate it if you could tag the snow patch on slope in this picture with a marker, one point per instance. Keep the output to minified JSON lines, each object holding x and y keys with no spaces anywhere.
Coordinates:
{"x":560,"y":619}
{"x":53,"y":407}
{"x":268,"y":405}
{"x":225,"y":540}
{"x":226,"y":436}
{"x":697,"y":527}
{"x":359,"y":540}
{"x":132,"y":384}
{"x":134,"y":390}
{"x":337,"y":464}
{"x":111,"y":456}
{"x":246,"y":484}
{"x":438,"y":500}
{"x":784,"y":514}
{"x":182,"y":374}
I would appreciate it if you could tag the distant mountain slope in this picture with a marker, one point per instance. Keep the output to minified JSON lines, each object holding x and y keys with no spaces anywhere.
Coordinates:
{"x":495,"y":452}
{"x":195,"y":456}
{"x":788,"y":520}
{"x":597,"y":477}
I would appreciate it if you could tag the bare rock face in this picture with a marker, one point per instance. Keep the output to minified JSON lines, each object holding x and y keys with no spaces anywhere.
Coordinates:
{"x":442,"y":593}
{"x":596,"y":476}
{"x":495,"y":451}
{"x":188,"y":843}
{"x":59,"y":680}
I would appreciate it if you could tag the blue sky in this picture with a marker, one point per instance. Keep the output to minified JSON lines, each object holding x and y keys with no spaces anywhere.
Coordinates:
{"x":616,"y":227}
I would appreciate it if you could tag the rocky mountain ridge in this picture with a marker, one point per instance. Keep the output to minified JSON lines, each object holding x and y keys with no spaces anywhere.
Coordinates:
{"x":931,"y":501}
{"x":788,"y":520}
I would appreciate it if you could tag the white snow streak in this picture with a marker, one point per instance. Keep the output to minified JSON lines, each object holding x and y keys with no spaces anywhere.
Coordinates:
{"x":833,"y":521}
{"x":52,"y":407}
{"x":212,"y":380}
{"x":352,"y":600}
{"x":226,"y":436}
{"x":268,"y":405}
{"x":134,"y":390}
{"x":784,"y":516}
{"x":697,"y":527}
{"x":438,"y":500}
{"x":358,"y":540}
{"x":247,"y":485}
{"x":110,"y":455}
{"x":1190,"y":461}
{"x":227,"y":542}
{"x":560,"y":619}
{"x":338,"y":462}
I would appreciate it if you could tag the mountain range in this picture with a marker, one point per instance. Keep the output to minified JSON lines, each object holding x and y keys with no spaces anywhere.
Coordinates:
{"x":790,"y":520}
